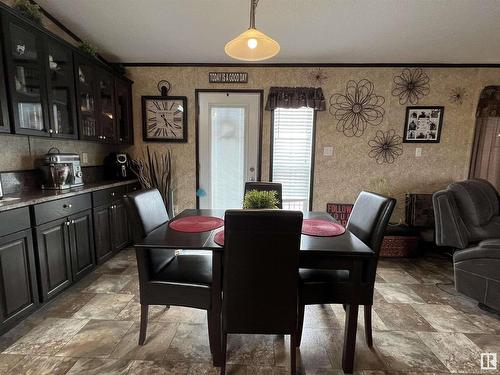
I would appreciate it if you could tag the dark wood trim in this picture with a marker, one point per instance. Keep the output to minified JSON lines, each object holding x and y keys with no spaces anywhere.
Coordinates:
{"x":313,"y":65}
{"x":197,"y":125}
{"x":313,"y":153}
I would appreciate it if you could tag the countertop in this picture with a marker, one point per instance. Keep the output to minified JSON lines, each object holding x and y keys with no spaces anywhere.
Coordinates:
{"x":28,"y":198}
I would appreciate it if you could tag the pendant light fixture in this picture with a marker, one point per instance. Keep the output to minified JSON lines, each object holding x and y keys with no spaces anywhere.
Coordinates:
{"x":252,"y":45}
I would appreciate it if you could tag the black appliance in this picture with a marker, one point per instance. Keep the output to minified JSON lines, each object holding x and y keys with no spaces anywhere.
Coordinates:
{"x":117,"y":166}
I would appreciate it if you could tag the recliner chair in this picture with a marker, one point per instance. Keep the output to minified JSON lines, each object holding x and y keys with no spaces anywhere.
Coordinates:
{"x":467,"y":218}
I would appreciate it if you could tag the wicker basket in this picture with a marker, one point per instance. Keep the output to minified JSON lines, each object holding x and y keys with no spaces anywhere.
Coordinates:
{"x":399,"y":246}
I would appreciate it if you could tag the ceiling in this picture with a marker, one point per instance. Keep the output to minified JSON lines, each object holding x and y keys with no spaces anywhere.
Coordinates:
{"x":309,"y":31}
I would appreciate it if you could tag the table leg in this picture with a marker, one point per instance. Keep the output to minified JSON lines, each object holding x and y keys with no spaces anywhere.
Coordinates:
{"x":215,"y":328}
{"x":351,"y":323}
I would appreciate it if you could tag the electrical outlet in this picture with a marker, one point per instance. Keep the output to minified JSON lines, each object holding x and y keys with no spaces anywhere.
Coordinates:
{"x":85,"y":157}
{"x":418,"y":152}
{"x":328,"y":151}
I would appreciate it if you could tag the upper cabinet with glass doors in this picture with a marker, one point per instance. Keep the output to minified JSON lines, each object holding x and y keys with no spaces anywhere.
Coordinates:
{"x":40,"y":81}
{"x":49,"y":88}
{"x":4,"y":109}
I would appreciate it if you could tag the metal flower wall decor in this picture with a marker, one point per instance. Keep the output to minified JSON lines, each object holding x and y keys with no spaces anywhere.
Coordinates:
{"x":386,"y":147}
{"x":411,"y":85}
{"x":458,"y":95}
{"x":357,"y":108}
{"x":318,"y":77}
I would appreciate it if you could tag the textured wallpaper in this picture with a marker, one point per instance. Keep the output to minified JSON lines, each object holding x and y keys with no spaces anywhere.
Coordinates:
{"x":337,"y":178}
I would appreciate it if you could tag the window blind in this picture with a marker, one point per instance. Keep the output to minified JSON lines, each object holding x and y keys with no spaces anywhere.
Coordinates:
{"x":292,"y":153}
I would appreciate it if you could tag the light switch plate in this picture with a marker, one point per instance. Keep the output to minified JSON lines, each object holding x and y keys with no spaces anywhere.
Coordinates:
{"x":328,"y":151}
{"x":418,"y":152}
{"x":85,"y":157}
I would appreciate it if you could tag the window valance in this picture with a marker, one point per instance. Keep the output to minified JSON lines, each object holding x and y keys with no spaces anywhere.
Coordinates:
{"x":295,"y":97}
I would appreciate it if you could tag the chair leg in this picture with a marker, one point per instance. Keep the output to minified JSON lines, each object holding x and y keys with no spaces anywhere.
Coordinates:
{"x":144,"y":324}
{"x":294,"y":337}
{"x":368,"y":325}
{"x":224,"y":350}
{"x":300,"y":324}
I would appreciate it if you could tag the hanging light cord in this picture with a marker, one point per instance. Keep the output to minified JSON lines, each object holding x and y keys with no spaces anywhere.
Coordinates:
{"x":253,"y":6}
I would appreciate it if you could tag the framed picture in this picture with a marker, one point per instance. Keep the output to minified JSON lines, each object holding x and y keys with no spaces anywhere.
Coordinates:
{"x":164,"y":118}
{"x":423,"y":124}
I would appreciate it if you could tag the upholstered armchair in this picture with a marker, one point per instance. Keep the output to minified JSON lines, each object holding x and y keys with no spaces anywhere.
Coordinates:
{"x":468,"y":219}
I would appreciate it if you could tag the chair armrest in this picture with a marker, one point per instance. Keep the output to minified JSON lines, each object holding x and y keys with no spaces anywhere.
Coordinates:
{"x":450,"y":229}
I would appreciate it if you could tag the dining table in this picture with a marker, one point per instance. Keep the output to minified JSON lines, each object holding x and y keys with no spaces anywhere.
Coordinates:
{"x":345,"y":251}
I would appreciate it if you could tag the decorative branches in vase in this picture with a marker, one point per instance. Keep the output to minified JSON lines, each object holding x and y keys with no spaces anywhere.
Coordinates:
{"x":154,"y":170}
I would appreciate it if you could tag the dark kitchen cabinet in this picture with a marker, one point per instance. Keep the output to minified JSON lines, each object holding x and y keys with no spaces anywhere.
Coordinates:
{"x":61,"y":90}
{"x":4,"y":109}
{"x":110,"y":222}
{"x":54,"y":257}
{"x":119,"y":228}
{"x":18,"y":284}
{"x":24,"y":56}
{"x":81,"y":243}
{"x":96,"y":101}
{"x":65,"y":242}
{"x":41,"y":84}
{"x":52,"y":89}
{"x":123,"y":106}
{"x":86,"y":96}
{"x":102,"y":233}
{"x":106,"y":105}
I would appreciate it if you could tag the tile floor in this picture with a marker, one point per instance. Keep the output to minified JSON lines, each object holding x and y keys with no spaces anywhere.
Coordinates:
{"x":420,"y":326}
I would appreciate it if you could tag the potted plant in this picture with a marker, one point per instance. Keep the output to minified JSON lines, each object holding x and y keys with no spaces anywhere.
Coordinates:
{"x":88,"y":48}
{"x":29,"y":10}
{"x":261,"y":199}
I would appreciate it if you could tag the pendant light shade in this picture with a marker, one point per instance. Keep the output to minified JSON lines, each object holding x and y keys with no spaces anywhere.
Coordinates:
{"x":252,"y":45}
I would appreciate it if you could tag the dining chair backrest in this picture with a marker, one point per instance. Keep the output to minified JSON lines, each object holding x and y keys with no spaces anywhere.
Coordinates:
{"x":369,"y":218}
{"x":146,"y":211}
{"x":261,"y":262}
{"x":266,"y":186}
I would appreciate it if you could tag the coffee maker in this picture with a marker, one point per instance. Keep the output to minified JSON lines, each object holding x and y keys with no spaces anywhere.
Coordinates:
{"x":117,"y":166}
{"x":60,"y":170}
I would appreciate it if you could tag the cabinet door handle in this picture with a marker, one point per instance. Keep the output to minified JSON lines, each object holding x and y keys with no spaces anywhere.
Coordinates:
{"x":68,"y":223}
{"x":51,"y":131}
{"x":67,"y":205}
{"x":72,"y":222}
{"x":112,"y":194}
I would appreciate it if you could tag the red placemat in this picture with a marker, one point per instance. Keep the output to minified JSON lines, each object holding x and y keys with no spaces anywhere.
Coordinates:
{"x":219,"y":238}
{"x":196,"y":224}
{"x":321,"y":228}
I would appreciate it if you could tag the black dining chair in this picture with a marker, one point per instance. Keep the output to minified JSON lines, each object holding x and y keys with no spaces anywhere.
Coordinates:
{"x":260,"y":277}
{"x":368,"y":221}
{"x":266,"y":186}
{"x":164,"y":277}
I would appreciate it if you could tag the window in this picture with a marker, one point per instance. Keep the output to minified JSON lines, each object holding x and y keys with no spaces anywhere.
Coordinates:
{"x":292,"y":152}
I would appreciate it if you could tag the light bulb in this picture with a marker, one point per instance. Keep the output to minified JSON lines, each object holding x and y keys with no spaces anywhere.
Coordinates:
{"x":252,"y":43}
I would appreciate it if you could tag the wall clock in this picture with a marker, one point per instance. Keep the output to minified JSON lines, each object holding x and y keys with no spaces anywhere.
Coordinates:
{"x":164,"y":118}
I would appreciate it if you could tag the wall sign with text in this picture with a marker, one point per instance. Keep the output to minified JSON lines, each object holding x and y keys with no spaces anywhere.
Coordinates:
{"x":228,"y":77}
{"x":340,"y":212}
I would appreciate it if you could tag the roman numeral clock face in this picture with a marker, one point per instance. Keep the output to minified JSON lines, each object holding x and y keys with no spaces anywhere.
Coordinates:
{"x":165,"y":119}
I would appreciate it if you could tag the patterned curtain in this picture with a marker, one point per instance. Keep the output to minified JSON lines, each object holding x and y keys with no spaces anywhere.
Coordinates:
{"x":295,"y":97}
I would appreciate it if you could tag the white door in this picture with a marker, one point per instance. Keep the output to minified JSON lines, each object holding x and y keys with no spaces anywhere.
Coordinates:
{"x":228,"y":146}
